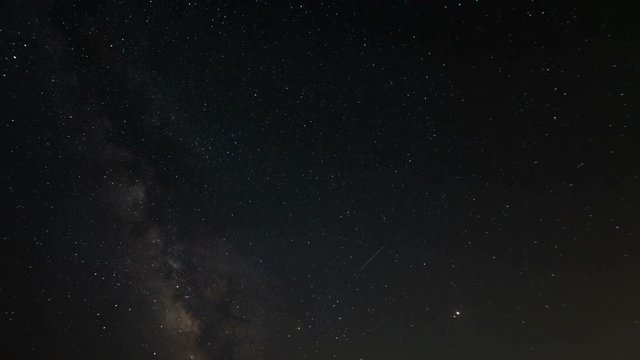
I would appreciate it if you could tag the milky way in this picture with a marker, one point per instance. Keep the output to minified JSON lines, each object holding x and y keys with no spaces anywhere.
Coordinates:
{"x":194,"y":296}
{"x":203,"y":298}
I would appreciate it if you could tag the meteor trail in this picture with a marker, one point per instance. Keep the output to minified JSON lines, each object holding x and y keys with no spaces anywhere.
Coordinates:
{"x":373,"y":256}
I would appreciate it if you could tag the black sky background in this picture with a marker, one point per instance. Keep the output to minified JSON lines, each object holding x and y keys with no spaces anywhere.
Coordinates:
{"x":207,"y":180}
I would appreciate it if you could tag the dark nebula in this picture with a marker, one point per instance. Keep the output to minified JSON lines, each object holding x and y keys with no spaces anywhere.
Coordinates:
{"x":319,"y":180}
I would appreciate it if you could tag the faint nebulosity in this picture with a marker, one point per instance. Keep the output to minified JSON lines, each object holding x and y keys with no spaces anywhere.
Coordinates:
{"x":319,"y":180}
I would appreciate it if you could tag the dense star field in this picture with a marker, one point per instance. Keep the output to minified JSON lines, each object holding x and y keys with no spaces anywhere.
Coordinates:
{"x":319,"y":180}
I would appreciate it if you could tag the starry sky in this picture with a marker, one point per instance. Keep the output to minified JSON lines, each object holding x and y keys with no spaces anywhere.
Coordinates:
{"x":319,"y":180}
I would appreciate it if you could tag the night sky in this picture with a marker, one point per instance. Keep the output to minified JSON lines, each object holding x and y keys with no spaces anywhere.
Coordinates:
{"x":318,"y":180}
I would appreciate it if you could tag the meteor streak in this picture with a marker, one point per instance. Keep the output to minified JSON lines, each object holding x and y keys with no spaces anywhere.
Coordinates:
{"x":373,"y":256}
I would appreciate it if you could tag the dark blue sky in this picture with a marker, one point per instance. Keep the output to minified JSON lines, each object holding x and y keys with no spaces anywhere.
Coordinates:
{"x":207,"y":180}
